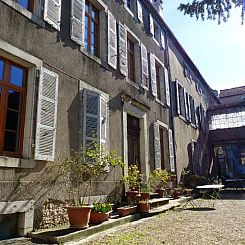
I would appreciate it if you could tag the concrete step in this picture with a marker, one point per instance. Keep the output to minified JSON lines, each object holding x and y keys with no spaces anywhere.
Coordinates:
{"x":156,"y":202}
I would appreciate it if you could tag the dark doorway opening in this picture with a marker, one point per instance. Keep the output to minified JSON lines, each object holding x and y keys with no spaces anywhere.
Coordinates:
{"x":8,"y":226}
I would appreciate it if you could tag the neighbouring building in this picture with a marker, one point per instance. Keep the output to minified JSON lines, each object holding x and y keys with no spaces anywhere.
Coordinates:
{"x":232,"y":95}
{"x":72,"y":68}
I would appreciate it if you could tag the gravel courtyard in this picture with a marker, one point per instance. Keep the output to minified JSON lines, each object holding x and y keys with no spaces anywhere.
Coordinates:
{"x":223,"y":225}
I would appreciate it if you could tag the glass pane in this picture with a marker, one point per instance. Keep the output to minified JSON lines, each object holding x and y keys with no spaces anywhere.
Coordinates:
{"x":94,"y":14}
{"x":24,"y":3}
{"x":12,"y":121}
{"x":86,"y":7}
{"x":11,"y":141}
{"x":17,"y":76}
{"x":1,"y":69}
{"x":92,"y":50}
{"x":92,"y":26}
{"x":14,"y":100}
{"x":92,"y":39}
{"x":86,"y":21}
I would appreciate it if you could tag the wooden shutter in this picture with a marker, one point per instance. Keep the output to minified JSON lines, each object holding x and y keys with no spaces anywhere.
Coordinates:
{"x":139,"y":11}
{"x":52,"y":12}
{"x":186,"y":105}
{"x":77,"y":21}
{"x":92,"y":117}
{"x":153,"y":75}
{"x":151,"y":22}
{"x":103,"y":121}
{"x":196,"y":113}
{"x":157,"y":146}
{"x":177,"y":98}
{"x":112,"y":41}
{"x":144,"y":63}
{"x":123,"y":61}
{"x":167,"y":89}
{"x":162,"y":40}
{"x":171,"y":150}
{"x":46,"y":116}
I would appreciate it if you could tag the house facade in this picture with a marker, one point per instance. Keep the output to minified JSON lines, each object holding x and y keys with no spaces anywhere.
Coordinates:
{"x":74,"y":70}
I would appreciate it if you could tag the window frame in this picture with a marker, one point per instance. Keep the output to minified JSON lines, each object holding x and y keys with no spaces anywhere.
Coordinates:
{"x":4,"y":103}
{"x":30,"y":5}
{"x":131,"y":54}
{"x":158,"y":81}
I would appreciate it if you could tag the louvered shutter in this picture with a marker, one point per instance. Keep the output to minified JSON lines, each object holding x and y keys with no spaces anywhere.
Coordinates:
{"x":52,"y":12}
{"x":196,"y":113}
{"x":139,"y":11}
{"x":167,"y":89}
{"x":153,"y":75}
{"x":103,"y":121}
{"x":162,"y":40}
{"x":144,"y":63}
{"x":177,"y":98}
{"x":46,"y":116}
{"x":78,"y":21}
{"x":186,"y":105}
{"x":171,"y":150}
{"x":112,"y":41}
{"x":92,"y":117}
{"x":189,"y":107}
{"x":151,"y":22}
{"x":123,"y":61}
{"x":157,"y":146}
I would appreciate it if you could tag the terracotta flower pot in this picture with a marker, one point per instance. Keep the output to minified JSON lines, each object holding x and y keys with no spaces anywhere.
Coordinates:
{"x":143,"y":207}
{"x":145,"y":195}
{"x":131,"y":195}
{"x":79,"y":216}
{"x":127,"y":210}
{"x":98,"y":217}
{"x":161,"y":192}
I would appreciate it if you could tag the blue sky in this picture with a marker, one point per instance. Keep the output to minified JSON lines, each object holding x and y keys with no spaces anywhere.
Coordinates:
{"x":217,"y":50}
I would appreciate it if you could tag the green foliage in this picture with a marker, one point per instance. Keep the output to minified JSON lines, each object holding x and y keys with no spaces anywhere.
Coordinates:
{"x":159,"y":178}
{"x":211,"y":9}
{"x":133,"y":179}
{"x":80,"y":168}
{"x":101,"y":207}
{"x":145,"y":188}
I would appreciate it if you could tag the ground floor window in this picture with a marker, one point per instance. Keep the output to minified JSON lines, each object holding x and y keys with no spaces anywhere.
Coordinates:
{"x":13,"y":79}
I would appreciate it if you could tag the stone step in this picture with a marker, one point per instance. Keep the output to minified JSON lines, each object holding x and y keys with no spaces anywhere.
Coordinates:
{"x":156,"y":202}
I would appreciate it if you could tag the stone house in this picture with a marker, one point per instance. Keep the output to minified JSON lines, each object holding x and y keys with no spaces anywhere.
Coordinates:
{"x":72,"y":68}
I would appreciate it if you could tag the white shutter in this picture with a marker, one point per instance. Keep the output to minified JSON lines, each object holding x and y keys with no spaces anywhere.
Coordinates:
{"x":177,"y":98}
{"x":103,"y":121}
{"x":112,"y":41}
{"x":162,"y":40}
{"x":92,"y":117}
{"x":77,"y":21}
{"x":144,"y":63}
{"x":123,"y":61}
{"x":167,"y":89}
{"x":196,"y":113}
{"x":151,"y":21}
{"x":52,"y":12}
{"x":46,"y":116}
{"x":189,"y":107}
{"x":157,"y":146}
{"x":186,"y":105}
{"x":171,"y":150}
{"x":153,"y":75}
{"x":139,"y":11}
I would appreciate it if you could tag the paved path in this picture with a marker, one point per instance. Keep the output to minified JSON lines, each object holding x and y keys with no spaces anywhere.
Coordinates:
{"x":224,"y":225}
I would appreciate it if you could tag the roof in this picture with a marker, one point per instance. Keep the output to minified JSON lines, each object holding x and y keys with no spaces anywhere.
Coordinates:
{"x":232,"y":92}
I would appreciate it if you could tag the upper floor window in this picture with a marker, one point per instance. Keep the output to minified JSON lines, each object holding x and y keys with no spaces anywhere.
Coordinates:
{"x":158,"y":80}
{"x":27,"y":4}
{"x":131,"y":60}
{"x":91,"y":29}
{"x":12,"y":106}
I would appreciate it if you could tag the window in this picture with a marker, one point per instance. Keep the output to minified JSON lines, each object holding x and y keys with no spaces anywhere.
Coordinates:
{"x":156,"y":32}
{"x":158,"y":80}
{"x":130,"y":4}
{"x":161,"y":131}
{"x":187,"y":73}
{"x":12,"y":107}
{"x":91,"y":29}
{"x":193,"y":110}
{"x":27,"y":4}
{"x":181,"y":100}
{"x":131,"y":60}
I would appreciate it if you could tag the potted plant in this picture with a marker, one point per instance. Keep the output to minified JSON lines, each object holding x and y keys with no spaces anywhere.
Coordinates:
{"x":144,"y":206}
{"x":145,"y":192}
{"x":100,"y":212}
{"x":177,"y":192}
{"x":158,"y":180}
{"x":126,"y":210}
{"x":78,"y":171}
{"x":132,"y":181}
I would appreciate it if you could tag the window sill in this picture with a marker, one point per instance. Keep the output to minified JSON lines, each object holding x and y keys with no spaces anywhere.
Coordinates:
{"x":24,"y":12}
{"x":11,"y":162}
{"x":160,"y":102}
{"x":157,"y":43}
{"x":92,"y":57}
{"x":129,"y":10}
{"x":132,"y":83}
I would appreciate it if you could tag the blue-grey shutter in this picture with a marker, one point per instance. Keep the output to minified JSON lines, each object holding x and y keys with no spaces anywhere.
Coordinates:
{"x":139,"y":11}
{"x":103,"y":121}
{"x":52,"y":12}
{"x":112,"y":41}
{"x":177,"y":98}
{"x":167,"y":89}
{"x":77,"y":21}
{"x":92,"y":118}
{"x":157,"y":147}
{"x":153,"y":75}
{"x":144,"y":64}
{"x":151,"y":22}
{"x":123,"y":60}
{"x":171,"y":150}
{"x":162,"y":40}
{"x":46,"y":116}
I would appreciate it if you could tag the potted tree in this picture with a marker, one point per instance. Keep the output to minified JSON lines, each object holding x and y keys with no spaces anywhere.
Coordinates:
{"x":145,"y":192}
{"x":100,"y":212}
{"x":158,"y":180}
{"x":78,"y":171}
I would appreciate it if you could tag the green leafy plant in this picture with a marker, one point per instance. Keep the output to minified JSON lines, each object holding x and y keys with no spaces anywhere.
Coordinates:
{"x":101,"y":207}
{"x":145,"y":188}
{"x":80,"y":168}
{"x":159,"y":178}
{"x":133,"y":178}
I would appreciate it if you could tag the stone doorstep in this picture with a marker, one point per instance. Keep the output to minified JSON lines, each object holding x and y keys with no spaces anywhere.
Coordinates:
{"x":66,"y":234}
